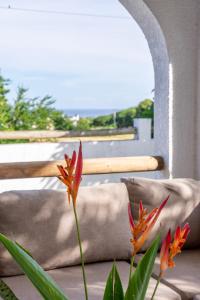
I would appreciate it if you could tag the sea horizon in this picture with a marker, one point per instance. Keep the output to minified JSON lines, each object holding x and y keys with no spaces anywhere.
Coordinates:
{"x":90,"y":112}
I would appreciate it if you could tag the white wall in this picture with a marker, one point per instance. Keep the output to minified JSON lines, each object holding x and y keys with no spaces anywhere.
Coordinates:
{"x":53,"y":151}
{"x":198,"y":105}
{"x":178,"y":20}
{"x":157,"y":46}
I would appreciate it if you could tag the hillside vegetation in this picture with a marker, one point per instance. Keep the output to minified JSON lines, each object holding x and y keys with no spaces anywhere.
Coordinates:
{"x":39,"y":113}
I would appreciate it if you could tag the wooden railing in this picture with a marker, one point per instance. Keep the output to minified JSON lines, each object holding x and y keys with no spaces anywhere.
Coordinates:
{"x":90,"y":166}
{"x":53,"y":134}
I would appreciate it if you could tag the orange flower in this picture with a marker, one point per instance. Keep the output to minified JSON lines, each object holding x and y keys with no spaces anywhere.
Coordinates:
{"x":71,"y":174}
{"x":170,"y":248}
{"x":142,"y":228}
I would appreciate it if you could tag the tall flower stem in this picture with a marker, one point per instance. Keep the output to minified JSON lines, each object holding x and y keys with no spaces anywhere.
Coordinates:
{"x":81,"y":251}
{"x":131,"y":267}
{"x":156,"y":287}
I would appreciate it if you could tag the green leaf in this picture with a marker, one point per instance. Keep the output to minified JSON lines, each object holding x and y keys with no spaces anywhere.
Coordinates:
{"x":114,"y":289}
{"x":39,"y":278}
{"x":140,"y":279}
{"x":5,"y":292}
{"x":25,"y":250}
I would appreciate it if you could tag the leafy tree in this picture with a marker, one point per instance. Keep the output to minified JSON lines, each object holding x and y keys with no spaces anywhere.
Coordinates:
{"x":125,"y":117}
{"x":145,"y":109}
{"x":60,"y":121}
{"x":83,"y":124}
{"x":5,"y":108}
{"x":37,"y":113}
{"x":22,"y":117}
{"x":42,"y":113}
{"x":103,"y":121}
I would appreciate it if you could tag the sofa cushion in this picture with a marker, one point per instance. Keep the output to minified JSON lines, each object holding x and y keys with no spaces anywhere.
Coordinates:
{"x":70,"y":280}
{"x":183,"y":205}
{"x":43,"y":222}
{"x":185,"y":276}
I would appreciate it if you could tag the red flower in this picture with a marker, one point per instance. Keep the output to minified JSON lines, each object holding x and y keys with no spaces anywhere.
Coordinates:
{"x":170,"y":248}
{"x":142,"y":228}
{"x":71,"y":174}
{"x":164,"y":252}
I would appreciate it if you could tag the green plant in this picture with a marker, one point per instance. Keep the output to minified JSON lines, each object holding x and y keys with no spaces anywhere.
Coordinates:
{"x":103,"y":121}
{"x":125,"y":117}
{"x":5,"y":108}
{"x":145,"y":109}
{"x":39,"y":278}
{"x":83,"y":124}
{"x":70,"y":175}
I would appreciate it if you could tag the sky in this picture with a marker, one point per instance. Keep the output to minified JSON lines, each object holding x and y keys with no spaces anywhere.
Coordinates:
{"x":94,"y":57}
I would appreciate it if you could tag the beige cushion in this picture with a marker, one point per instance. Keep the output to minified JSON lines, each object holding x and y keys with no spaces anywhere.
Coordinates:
{"x":70,"y":280}
{"x":183,"y":205}
{"x":43,"y":222}
{"x":185,"y":276}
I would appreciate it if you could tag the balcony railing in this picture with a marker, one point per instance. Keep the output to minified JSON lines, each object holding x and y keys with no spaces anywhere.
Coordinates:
{"x":54,"y":134}
{"x":90,"y":166}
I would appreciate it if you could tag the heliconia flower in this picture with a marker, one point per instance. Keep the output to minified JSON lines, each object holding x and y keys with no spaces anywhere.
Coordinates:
{"x":171,"y":248}
{"x":164,"y":252}
{"x":71,"y":174}
{"x":142,"y":228}
{"x":78,"y":173}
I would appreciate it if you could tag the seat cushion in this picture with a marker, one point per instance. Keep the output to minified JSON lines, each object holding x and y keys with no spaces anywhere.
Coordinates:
{"x":183,"y":205}
{"x":185,"y":276}
{"x":43,"y":222}
{"x":70,"y":280}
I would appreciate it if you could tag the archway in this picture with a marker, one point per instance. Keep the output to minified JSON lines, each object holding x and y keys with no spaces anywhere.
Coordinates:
{"x":157,"y":45}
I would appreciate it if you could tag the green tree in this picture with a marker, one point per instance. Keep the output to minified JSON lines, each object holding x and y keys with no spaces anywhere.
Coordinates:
{"x":103,"y":121}
{"x":22,"y":117}
{"x":42,"y":113}
{"x":83,"y":124}
{"x":145,"y":109}
{"x":5,"y":108}
{"x":60,"y":121}
{"x":37,"y":113}
{"x":125,"y":117}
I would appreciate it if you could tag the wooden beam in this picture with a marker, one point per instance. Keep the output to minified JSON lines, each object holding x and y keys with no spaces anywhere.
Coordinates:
{"x":90,"y":166}
{"x":48,"y":134}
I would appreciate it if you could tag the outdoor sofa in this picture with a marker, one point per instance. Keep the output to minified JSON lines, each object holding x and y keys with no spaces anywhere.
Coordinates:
{"x":43,"y":222}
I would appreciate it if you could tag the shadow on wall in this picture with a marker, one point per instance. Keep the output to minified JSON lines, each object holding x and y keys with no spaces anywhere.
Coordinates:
{"x":55,"y":151}
{"x":99,"y":149}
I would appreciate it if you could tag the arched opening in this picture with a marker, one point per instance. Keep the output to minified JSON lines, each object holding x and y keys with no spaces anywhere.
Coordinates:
{"x":162,"y":108}
{"x":152,"y":31}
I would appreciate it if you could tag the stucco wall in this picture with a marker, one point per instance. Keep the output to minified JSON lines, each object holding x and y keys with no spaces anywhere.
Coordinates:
{"x":153,"y":33}
{"x":198,"y":105}
{"x":53,"y":151}
{"x":178,"y":21}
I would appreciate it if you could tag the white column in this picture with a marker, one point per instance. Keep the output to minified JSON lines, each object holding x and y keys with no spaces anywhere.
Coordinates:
{"x":143,"y":127}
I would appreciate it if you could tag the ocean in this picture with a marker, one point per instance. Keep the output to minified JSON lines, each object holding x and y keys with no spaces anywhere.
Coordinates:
{"x":83,"y":113}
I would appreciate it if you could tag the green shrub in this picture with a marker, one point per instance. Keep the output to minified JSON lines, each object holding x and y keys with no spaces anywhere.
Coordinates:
{"x":83,"y":124}
{"x":103,"y":121}
{"x":125,"y":117}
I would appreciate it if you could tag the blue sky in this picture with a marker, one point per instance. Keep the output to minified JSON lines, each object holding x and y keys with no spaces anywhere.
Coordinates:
{"x":84,"y":62}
